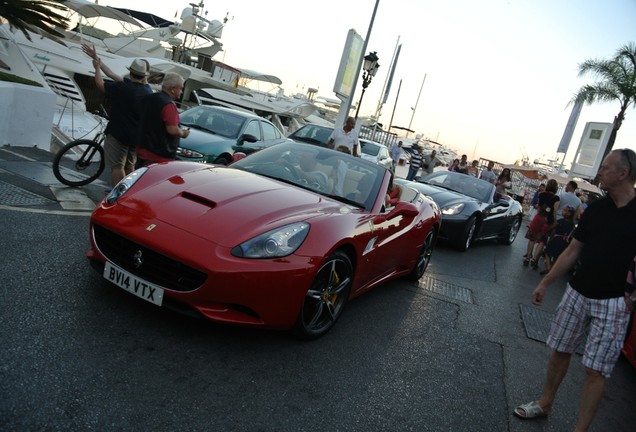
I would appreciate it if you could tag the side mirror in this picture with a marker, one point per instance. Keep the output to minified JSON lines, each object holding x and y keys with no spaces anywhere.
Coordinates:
{"x":247,"y":137}
{"x":402,"y":208}
{"x":500,"y":204}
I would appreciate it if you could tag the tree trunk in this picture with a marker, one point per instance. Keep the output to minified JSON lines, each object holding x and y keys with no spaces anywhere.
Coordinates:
{"x":618,"y":121}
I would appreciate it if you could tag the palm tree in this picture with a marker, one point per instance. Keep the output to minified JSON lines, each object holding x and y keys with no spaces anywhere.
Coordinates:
{"x":33,"y":15}
{"x":617,"y":82}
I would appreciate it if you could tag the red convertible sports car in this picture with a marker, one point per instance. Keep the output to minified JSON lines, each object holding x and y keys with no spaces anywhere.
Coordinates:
{"x":279,"y":239}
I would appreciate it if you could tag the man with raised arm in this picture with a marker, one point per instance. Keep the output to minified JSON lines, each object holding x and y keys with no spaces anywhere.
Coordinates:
{"x":125,"y":94}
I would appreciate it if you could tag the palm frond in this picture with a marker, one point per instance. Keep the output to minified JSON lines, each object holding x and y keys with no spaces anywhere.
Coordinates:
{"x":616,"y":81}
{"x":34,"y":14}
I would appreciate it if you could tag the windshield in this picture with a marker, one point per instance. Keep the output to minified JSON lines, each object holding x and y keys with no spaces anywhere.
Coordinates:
{"x":312,"y":134}
{"x":328,"y":172}
{"x":370,"y":149}
{"x":216,"y":121}
{"x":465,"y":184}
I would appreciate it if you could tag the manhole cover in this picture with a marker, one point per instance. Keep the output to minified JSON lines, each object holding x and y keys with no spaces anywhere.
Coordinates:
{"x":446,"y":289}
{"x":537,"y":323}
{"x":14,"y":196}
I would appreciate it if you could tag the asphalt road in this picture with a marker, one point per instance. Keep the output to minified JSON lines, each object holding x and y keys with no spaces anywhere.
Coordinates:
{"x":448,"y":354}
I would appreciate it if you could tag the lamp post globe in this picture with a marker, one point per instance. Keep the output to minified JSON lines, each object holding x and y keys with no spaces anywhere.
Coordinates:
{"x":370,"y":68}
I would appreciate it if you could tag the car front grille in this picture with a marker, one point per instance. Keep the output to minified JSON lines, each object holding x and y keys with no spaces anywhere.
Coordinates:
{"x":156,"y":268}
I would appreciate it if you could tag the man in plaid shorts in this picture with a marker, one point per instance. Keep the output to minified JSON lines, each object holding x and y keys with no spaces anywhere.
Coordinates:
{"x":604,"y":245}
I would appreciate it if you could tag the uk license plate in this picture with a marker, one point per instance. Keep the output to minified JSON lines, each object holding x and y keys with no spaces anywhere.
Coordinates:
{"x":134,"y":285}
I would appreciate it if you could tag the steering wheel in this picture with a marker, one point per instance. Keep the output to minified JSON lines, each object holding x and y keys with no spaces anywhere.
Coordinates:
{"x":317,"y":186}
{"x":293,"y":172}
{"x":288,"y":167}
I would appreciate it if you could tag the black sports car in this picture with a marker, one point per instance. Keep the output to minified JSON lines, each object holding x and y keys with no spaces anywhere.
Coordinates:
{"x":471,"y":208}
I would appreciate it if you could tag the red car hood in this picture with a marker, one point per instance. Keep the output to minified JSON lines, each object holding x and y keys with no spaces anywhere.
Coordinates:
{"x":224,"y":205}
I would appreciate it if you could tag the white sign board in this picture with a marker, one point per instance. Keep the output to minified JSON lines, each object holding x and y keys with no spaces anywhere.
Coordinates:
{"x":589,"y":155}
{"x":349,"y":65}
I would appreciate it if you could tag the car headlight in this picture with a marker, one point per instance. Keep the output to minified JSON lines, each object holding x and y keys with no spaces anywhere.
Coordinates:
{"x":453,"y":209}
{"x":188,"y":153}
{"x":276,"y":243}
{"x":125,"y":184}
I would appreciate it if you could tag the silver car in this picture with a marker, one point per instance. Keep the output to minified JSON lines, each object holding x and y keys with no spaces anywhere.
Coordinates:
{"x":375,"y":152}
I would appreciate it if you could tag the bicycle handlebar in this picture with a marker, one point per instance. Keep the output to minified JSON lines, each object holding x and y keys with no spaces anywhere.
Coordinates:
{"x":102,"y":112}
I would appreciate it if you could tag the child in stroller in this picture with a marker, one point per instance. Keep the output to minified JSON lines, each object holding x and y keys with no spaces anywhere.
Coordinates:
{"x":560,"y":238}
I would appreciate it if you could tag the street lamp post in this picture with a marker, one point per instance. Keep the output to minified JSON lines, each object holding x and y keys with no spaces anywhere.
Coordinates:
{"x":370,"y":68}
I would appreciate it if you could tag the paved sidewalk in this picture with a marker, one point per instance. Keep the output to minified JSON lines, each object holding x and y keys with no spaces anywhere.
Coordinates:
{"x":27,"y":181}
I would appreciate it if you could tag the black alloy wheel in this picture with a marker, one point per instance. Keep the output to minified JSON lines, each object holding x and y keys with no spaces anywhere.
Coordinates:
{"x":512,"y":233}
{"x":326,"y":297}
{"x":424,"y":257}
{"x":469,"y":232}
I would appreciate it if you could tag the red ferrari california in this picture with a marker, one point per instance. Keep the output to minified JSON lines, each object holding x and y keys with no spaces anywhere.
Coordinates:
{"x":279,"y":239}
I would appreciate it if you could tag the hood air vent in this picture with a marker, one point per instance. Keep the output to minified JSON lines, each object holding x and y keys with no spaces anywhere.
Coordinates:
{"x":198,"y":199}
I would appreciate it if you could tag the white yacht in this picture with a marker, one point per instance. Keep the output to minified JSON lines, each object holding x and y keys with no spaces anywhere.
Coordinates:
{"x":61,"y":65}
{"x":186,"y":47}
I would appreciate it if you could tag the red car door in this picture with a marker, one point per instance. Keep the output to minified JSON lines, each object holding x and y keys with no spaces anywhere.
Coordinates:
{"x":389,"y":243}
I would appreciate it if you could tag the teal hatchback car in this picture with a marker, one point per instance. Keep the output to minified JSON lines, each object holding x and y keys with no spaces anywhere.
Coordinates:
{"x":216,"y":133}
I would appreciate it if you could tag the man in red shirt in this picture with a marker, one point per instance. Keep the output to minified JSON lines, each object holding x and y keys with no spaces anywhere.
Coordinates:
{"x":159,"y":125}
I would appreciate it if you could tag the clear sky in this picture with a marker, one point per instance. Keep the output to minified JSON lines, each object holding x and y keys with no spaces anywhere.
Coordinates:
{"x":499,"y":73}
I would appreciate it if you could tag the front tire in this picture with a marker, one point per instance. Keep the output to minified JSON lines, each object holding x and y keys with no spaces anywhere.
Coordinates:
{"x":88,"y":162}
{"x":469,"y":232}
{"x":512,"y":233}
{"x":326,"y":297}
{"x":423,"y":258}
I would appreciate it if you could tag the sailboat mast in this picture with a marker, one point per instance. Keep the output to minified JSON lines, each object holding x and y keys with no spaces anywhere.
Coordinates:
{"x":416,"y":102}
{"x":386,"y":80}
{"x":383,"y":95}
{"x":395,"y":106}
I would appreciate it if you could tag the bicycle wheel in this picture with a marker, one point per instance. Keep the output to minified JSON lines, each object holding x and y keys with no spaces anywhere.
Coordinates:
{"x":79,"y":162}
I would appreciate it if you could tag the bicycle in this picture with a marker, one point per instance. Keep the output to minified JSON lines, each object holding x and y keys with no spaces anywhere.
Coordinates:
{"x":88,"y":157}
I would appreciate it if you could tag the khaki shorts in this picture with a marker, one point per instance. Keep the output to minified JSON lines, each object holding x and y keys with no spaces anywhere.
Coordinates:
{"x":119,"y":155}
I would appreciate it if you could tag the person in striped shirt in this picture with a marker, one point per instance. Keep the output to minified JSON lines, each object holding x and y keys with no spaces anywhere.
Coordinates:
{"x":416,"y":162}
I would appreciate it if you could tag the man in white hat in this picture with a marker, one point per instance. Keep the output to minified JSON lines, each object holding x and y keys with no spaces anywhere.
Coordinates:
{"x":125,"y":94}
